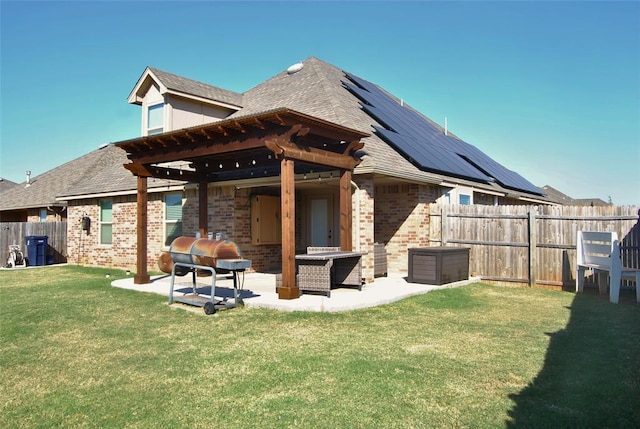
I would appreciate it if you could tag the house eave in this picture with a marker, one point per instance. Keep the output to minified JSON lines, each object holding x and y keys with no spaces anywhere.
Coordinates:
{"x":60,"y":204}
{"x":407,"y":176}
{"x":537,"y":201}
{"x":171,"y":188}
{"x":202,"y":99}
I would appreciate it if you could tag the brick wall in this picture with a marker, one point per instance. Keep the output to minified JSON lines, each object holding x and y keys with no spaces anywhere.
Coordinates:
{"x":402,"y":220}
{"x":229,"y":213}
{"x":84,"y":247}
{"x":394,"y":214}
{"x":363,"y":223}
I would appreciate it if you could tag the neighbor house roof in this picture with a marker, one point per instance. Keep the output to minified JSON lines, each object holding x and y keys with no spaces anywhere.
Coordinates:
{"x":558,"y":197}
{"x":108,"y":177}
{"x":590,"y":202}
{"x":181,"y":86}
{"x":98,"y":172}
{"x":6,"y":184}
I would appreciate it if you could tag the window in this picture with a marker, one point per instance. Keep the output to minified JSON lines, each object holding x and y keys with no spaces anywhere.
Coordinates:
{"x":155,"y":119}
{"x":172,"y":217}
{"x":465,"y":200}
{"x":43,"y":215}
{"x":106,"y":221}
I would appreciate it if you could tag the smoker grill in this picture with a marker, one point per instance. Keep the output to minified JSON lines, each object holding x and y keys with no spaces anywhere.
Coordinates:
{"x":191,"y":255}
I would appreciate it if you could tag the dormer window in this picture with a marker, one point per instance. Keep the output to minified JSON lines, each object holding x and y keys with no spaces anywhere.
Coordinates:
{"x":155,"y":119}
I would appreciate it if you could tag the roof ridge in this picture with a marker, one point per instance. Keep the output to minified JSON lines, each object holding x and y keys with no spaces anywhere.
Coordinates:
{"x":324,"y":82}
{"x":155,"y":70}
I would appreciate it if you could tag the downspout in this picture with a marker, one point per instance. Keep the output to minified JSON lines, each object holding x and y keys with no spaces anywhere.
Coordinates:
{"x":357,"y":218}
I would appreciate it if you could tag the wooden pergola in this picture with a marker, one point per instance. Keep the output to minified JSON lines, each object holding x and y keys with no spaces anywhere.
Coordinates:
{"x":278,"y":142}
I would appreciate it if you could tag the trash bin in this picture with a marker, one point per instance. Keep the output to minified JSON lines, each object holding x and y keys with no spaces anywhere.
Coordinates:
{"x":37,"y":249}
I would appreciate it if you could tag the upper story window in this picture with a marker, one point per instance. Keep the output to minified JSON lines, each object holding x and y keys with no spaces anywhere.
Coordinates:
{"x":106,"y":221}
{"x":172,"y":217}
{"x":155,"y":119}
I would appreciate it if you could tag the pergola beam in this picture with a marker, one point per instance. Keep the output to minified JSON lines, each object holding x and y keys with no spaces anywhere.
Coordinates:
{"x":311,"y":155}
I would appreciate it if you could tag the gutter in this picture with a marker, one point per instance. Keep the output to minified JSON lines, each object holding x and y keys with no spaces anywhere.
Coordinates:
{"x":121,"y":193}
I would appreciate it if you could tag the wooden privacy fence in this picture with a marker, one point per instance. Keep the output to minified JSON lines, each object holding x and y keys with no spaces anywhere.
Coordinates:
{"x":15,"y":232}
{"x":535,"y":245}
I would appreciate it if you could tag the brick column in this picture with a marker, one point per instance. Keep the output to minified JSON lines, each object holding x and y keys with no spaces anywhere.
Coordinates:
{"x":364,"y":214}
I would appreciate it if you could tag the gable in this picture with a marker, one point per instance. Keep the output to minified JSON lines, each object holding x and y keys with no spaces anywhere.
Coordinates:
{"x":171,"y":84}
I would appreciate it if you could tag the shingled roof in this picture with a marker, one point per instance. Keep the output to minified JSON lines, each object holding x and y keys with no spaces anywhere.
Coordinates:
{"x":558,"y":197}
{"x":318,"y":89}
{"x":98,"y":172}
{"x":6,"y":184}
{"x":186,"y":87}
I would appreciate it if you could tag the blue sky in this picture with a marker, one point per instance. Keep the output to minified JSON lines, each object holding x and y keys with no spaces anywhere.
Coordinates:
{"x":548,"y":89}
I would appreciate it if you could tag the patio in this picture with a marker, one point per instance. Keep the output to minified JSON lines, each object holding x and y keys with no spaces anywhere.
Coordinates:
{"x":259,"y":292}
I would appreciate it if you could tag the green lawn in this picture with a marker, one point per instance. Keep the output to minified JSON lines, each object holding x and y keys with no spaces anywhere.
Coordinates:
{"x":76,"y":352}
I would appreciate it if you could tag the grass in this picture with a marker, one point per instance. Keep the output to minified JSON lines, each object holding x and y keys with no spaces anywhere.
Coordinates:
{"x":75,"y":352}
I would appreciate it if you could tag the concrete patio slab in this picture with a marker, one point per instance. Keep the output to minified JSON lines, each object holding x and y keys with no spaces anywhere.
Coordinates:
{"x":258,"y":291}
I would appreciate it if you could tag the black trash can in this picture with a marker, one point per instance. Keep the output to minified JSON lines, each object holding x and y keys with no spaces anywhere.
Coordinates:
{"x":37,"y":249}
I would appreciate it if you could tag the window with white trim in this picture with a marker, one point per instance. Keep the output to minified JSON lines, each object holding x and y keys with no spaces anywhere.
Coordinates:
{"x":155,"y":119}
{"x":172,"y":217}
{"x":43,"y":215}
{"x":465,"y":200}
{"x":106,"y":221}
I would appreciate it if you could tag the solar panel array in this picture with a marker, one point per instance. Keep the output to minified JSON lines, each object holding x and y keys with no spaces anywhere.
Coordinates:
{"x":426,"y":145}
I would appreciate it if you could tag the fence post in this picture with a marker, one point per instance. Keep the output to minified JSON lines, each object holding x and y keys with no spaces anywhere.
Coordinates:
{"x":533,"y":242}
{"x":443,"y":226}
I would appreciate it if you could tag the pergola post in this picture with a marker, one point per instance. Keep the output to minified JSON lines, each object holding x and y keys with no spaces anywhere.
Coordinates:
{"x":289,"y":288}
{"x":203,"y":208}
{"x":141,"y":276}
{"x":346,"y":204}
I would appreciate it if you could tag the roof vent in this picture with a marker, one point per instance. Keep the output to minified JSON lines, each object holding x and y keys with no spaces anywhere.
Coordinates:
{"x":295,"y":68}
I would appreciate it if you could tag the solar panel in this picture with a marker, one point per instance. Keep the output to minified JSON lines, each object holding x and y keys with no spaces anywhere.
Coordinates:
{"x":424,"y":144}
{"x":431,"y":157}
